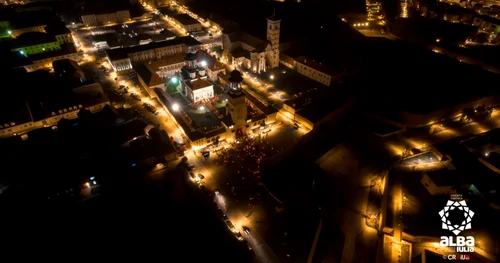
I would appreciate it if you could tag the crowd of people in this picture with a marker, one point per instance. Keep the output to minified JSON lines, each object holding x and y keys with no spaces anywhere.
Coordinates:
{"x":244,"y":160}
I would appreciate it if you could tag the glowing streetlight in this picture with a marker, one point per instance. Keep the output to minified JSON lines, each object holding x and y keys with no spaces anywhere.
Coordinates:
{"x":271,"y":77}
{"x":201,"y":108}
{"x":174,"y":80}
{"x":203,"y":63}
{"x":175,"y":107}
{"x":9,"y":32}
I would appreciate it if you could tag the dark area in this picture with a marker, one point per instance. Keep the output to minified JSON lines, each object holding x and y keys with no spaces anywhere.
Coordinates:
{"x":146,"y":214}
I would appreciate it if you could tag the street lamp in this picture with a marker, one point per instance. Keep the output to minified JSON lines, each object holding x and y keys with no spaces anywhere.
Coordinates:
{"x":175,"y":107}
{"x":203,"y":63}
{"x":202,"y":108}
{"x":271,"y":77}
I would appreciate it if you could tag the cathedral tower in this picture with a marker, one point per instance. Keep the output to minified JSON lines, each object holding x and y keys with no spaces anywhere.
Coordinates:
{"x":236,"y":106}
{"x":273,"y":36}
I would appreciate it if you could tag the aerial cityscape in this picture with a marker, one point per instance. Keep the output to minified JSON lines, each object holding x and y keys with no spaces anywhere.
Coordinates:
{"x":251,"y":131}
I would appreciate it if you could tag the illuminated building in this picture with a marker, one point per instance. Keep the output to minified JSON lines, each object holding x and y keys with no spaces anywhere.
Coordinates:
{"x":374,"y":10}
{"x":404,"y":8}
{"x":194,"y":80}
{"x":35,"y":43}
{"x":154,"y":74}
{"x":236,"y":106}
{"x":243,"y":49}
{"x":121,"y":58}
{"x":188,"y":23}
{"x":44,"y":60}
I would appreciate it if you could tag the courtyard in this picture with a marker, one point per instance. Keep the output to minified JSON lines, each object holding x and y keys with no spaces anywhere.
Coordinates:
{"x":205,"y":113}
{"x":196,"y":115}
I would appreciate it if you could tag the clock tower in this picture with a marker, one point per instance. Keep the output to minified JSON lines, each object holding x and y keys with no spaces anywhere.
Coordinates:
{"x":236,"y":105}
{"x":273,"y":36}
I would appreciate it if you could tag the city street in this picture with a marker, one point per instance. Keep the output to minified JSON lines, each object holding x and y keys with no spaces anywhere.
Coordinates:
{"x":214,"y":174}
{"x":242,"y":199}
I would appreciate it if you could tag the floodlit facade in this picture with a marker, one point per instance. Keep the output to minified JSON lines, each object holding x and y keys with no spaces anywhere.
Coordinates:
{"x":374,"y":10}
{"x":188,"y":23}
{"x":38,"y":48}
{"x":44,"y":61}
{"x":194,"y":80}
{"x":240,"y":48}
{"x":19,"y":31}
{"x":236,"y":105}
{"x":121,"y":59}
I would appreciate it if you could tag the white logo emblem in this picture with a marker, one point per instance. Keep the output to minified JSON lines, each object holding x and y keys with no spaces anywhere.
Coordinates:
{"x":450,"y":206}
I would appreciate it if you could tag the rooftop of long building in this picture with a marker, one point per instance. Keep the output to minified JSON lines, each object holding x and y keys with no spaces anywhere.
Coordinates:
{"x":122,"y":53}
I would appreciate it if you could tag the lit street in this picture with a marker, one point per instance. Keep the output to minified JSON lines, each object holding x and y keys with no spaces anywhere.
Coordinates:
{"x":238,"y":214}
{"x":279,"y":131}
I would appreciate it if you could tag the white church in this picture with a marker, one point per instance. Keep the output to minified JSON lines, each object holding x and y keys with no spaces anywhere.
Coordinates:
{"x":253,"y":53}
{"x":195,"y":85}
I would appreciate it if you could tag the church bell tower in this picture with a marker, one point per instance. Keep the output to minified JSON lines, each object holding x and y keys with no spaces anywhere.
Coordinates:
{"x":236,"y":106}
{"x":273,"y":36}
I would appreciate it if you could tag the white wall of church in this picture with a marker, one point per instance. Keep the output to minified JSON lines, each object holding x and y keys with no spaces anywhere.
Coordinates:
{"x":201,"y":94}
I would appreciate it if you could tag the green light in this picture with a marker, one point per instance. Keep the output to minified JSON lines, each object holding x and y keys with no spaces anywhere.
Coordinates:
{"x":9,"y":32}
{"x":174,"y":80}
